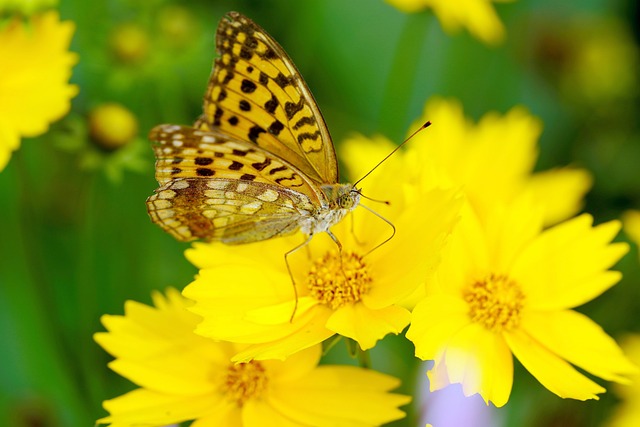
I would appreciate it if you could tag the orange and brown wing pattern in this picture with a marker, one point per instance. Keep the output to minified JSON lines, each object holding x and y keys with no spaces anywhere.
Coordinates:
{"x":186,"y":152}
{"x":256,"y":94}
{"x":215,"y":188}
{"x":229,"y":211}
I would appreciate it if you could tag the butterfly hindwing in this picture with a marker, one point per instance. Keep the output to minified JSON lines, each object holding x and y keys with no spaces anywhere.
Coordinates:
{"x":256,"y":94}
{"x":230,"y":211}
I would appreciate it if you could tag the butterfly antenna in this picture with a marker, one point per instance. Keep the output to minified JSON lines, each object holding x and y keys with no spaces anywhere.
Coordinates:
{"x":293,"y":281}
{"x":424,"y":126}
{"x":386,"y":202}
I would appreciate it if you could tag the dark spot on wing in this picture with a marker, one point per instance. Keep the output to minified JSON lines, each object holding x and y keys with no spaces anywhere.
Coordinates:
{"x":204,"y":172}
{"x":248,"y":86}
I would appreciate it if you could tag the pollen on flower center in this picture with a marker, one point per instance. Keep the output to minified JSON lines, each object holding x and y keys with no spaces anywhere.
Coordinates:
{"x":244,"y":381}
{"x":495,"y":302}
{"x":338,"y":282}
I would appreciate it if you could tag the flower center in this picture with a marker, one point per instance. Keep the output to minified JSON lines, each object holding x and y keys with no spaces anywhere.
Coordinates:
{"x":337,"y":282}
{"x":245,"y":381}
{"x":495,"y":302}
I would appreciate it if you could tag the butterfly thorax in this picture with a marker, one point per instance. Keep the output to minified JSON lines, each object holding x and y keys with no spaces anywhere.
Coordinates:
{"x":341,"y":199}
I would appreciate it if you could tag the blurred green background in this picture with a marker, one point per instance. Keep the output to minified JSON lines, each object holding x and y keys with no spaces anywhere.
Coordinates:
{"x":75,"y":239}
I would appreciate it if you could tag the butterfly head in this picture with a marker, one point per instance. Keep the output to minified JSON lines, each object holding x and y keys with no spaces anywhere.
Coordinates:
{"x":342,"y":196}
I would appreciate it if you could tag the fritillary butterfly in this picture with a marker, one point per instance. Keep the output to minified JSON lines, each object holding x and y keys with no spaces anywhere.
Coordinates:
{"x":259,"y":163}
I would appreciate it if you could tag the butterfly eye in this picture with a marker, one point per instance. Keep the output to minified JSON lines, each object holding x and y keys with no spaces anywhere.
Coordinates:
{"x":346,"y":201}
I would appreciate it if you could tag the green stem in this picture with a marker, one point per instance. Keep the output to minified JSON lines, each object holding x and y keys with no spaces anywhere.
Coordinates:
{"x":394,"y":111}
{"x":364,"y":359}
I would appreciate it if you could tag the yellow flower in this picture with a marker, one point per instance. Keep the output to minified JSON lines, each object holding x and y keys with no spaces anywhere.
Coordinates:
{"x":245,"y":293}
{"x":26,"y":7}
{"x":478,"y":16}
{"x":34,"y":89}
{"x":628,"y":412}
{"x":112,"y":126}
{"x":506,"y":287}
{"x":603,"y":62}
{"x":492,"y":161}
{"x":631,"y":222}
{"x":183,"y":376}
{"x":129,"y":43}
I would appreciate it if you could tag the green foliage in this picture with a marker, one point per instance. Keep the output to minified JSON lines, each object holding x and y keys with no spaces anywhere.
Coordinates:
{"x":75,"y":239}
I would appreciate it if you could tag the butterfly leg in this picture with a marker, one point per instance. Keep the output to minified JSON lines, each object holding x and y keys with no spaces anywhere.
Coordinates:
{"x":337,"y":242}
{"x":353,"y":230}
{"x":293,"y":282}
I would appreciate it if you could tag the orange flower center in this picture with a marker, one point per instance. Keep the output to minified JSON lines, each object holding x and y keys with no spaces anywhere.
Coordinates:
{"x":336,"y":282}
{"x":245,"y":381}
{"x":495,"y":302}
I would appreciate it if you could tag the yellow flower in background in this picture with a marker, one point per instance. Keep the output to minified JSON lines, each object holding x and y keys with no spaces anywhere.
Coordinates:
{"x":478,"y":16}
{"x":245,"y":294}
{"x":492,"y":161}
{"x":603,"y":61}
{"x":631,"y":223}
{"x":35,"y":66}
{"x":112,"y":125}
{"x":183,"y":376}
{"x":26,"y":7}
{"x":627,"y":413}
{"x":505,"y":287}
{"x":129,"y":43}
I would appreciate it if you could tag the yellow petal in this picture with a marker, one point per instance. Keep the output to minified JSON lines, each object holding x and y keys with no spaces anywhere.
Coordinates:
{"x":231,"y":417}
{"x":445,"y":141}
{"x":479,"y":360}
{"x":561,"y":191}
{"x":465,"y":256}
{"x":630,"y":392}
{"x":555,"y":374}
{"x":501,"y":152}
{"x":631,"y":221}
{"x":306,"y":334}
{"x":156,"y":347}
{"x":575,"y":257}
{"x":145,"y":332}
{"x":361,"y":154}
{"x":577,"y":339}
{"x":434,"y":321}
{"x":36,"y":68}
{"x":367,"y":326}
{"x":143,"y":407}
{"x":260,"y":413}
{"x":478,"y":16}
{"x":297,"y":366}
{"x":267,"y":253}
{"x":510,"y":229}
{"x":340,"y":396}
{"x":169,"y":375}
{"x":9,"y":141}
{"x":277,"y":314}
{"x":224,"y":295}
{"x":404,"y":263}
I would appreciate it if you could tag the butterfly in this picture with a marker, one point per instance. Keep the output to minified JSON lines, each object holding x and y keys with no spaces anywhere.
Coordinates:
{"x":259,"y":163}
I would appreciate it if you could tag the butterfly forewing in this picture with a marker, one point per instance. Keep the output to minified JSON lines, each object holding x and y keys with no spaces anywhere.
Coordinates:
{"x":256,"y":94}
{"x":186,"y":152}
